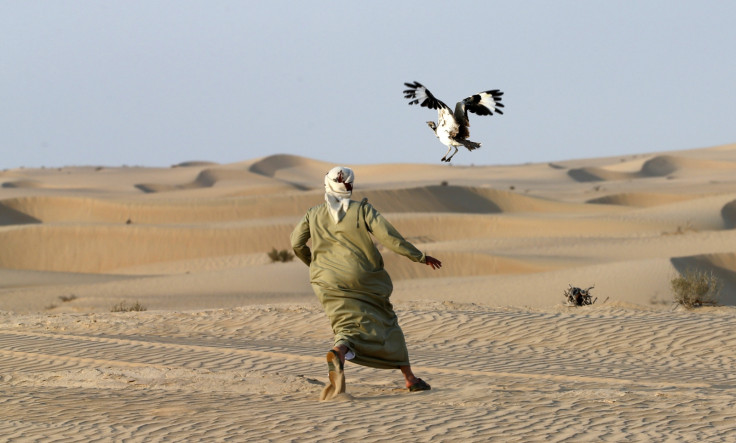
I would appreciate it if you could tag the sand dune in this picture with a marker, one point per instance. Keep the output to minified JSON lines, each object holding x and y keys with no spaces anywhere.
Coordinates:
{"x":212,"y":177}
{"x":76,"y":231}
{"x":139,"y":234}
{"x":104,"y":248}
{"x":171,"y":212}
{"x":593,"y":174}
{"x":466,"y":200}
{"x":194,"y":163}
{"x":664,"y":165}
{"x":271,"y":165}
{"x":9,"y":215}
{"x":426,"y":199}
{"x":460,"y":264}
{"x":659,"y":166}
{"x":225,"y":327}
{"x":23,"y":184}
{"x":729,"y":214}
{"x":640,"y":199}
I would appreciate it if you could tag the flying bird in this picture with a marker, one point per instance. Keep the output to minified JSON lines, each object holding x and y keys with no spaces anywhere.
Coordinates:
{"x":452,"y":128}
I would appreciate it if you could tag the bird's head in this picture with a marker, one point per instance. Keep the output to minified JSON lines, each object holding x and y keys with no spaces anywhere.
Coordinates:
{"x":432,"y":125}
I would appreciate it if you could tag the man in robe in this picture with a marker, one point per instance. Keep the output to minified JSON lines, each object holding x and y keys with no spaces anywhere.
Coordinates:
{"x":347,"y":275}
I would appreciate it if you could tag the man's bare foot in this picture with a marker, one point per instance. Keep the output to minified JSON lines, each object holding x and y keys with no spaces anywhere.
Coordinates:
{"x":342,"y":350}
{"x":336,"y":376}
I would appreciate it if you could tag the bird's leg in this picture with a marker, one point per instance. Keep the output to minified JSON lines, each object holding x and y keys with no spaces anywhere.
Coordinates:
{"x":453,"y":154}
{"x":445,"y":159}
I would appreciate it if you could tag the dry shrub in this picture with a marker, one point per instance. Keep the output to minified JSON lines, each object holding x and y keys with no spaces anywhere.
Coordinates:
{"x":283,"y":255}
{"x":682,"y":229}
{"x":696,"y":288}
{"x":124,"y":307}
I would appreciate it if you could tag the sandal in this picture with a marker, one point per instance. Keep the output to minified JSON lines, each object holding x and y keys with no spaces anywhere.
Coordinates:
{"x":419,"y":385}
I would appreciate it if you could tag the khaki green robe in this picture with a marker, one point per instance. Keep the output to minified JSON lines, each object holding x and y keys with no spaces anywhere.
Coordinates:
{"x":347,"y":275}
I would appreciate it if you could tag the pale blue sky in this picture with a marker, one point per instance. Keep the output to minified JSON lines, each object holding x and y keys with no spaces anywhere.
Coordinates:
{"x":156,"y":83}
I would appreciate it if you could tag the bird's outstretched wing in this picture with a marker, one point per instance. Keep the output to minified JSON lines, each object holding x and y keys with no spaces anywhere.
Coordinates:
{"x":484,"y":103}
{"x":421,"y":96}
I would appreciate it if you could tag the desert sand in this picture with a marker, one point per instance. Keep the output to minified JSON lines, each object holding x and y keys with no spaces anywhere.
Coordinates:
{"x":231,"y":347}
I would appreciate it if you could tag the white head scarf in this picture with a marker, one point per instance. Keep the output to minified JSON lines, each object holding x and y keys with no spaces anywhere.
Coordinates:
{"x":338,"y":190}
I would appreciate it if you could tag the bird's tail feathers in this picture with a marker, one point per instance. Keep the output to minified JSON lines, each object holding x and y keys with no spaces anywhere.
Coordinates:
{"x":470,"y":145}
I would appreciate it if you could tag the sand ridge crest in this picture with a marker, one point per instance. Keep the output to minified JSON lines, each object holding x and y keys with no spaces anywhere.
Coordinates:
{"x":641,"y":199}
{"x":658,"y":166}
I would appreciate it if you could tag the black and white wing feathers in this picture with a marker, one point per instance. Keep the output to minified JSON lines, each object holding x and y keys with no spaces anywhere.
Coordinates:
{"x":484,"y":103}
{"x":421,"y":96}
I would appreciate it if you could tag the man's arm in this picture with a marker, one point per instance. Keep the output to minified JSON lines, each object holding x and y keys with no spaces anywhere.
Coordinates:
{"x":299,"y":237}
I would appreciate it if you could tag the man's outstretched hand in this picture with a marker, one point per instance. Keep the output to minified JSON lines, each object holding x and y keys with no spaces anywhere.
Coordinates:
{"x":433,"y":262}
